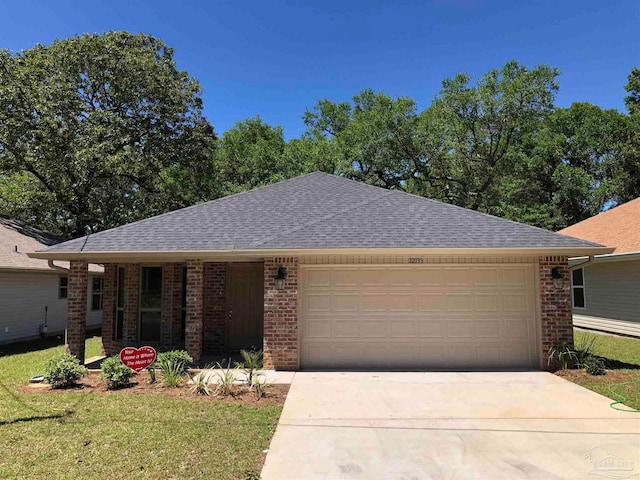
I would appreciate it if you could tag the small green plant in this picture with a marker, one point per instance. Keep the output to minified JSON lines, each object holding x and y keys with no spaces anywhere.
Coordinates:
{"x":116,"y":373}
{"x":259,"y":387}
{"x":251,"y":364}
{"x":174,"y":357}
{"x":564,"y":355}
{"x":200,"y":384}
{"x":174,"y":365}
{"x":584,"y":349}
{"x":63,"y":371}
{"x":595,"y":366}
{"x":226,"y":379}
{"x":152,"y":374}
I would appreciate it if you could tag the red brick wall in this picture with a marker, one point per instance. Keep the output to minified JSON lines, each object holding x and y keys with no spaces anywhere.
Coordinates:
{"x":131,"y":304}
{"x":214,"y":307}
{"x":281,"y":315}
{"x":177,"y":335}
{"x":109,"y":346}
{"x":555,"y":308}
{"x":77,"y":309}
{"x":195,"y":289}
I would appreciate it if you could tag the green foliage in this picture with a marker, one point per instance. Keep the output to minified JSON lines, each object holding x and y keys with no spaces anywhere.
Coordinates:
{"x":565,"y":355}
{"x":176,"y":360}
{"x":259,"y":386}
{"x":99,"y":130}
{"x":152,"y":374}
{"x":594,"y":366}
{"x":226,"y":379}
{"x":63,"y":371}
{"x":251,"y":364}
{"x":200,"y":384}
{"x":585,"y":347}
{"x":116,"y":374}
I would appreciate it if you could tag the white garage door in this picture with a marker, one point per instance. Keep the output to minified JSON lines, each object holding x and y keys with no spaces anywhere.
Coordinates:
{"x":418,"y":316}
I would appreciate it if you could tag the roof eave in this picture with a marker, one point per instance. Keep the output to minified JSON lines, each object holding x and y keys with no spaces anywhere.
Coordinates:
{"x":183,"y":255}
{"x":609,"y":257}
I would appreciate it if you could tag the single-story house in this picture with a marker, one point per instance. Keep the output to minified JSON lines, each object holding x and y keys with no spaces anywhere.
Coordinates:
{"x":33,"y":293}
{"x":325,"y":272}
{"x":606,"y":288}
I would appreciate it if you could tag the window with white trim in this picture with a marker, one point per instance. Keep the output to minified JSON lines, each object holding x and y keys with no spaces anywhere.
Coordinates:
{"x":63,"y":287}
{"x":577,"y":288}
{"x":96,"y":293}
{"x":118,"y":331}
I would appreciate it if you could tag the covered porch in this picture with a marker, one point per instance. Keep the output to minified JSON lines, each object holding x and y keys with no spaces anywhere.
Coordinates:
{"x":208,"y":308}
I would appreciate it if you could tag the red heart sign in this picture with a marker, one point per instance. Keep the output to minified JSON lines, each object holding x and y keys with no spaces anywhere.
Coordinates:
{"x":137,"y":359}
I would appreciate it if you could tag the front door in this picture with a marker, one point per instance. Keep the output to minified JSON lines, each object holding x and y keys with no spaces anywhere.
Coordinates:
{"x":245,"y":306}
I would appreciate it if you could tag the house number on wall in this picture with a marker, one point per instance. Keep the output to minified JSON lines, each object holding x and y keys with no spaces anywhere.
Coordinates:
{"x":416,"y":260}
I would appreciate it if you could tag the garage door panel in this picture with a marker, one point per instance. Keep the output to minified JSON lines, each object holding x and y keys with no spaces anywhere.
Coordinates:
{"x":402,"y":328}
{"x":418,"y":317}
{"x":431,"y":302}
{"x":432,"y":329}
{"x":459,"y":302}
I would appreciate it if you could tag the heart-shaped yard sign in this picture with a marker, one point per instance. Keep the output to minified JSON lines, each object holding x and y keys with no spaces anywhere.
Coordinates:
{"x":137,"y":359}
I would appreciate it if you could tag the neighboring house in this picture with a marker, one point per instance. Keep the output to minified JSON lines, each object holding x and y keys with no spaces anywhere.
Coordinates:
{"x":606,"y":291}
{"x":324,"y":272}
{"x":34,"y":294}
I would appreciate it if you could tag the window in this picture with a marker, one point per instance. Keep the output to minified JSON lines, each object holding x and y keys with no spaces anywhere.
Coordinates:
{"x":63,"y":287}
{"x":96,"y":293}
{"x":150,"y":303}
{"x":118,"y":330}
{"x":577,"y":288}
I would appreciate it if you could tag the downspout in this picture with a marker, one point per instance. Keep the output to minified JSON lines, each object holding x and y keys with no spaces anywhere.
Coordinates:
{"x":56,"y":267}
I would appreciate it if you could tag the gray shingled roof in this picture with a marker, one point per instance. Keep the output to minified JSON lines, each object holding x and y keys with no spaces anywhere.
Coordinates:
{"x":319,"y":210}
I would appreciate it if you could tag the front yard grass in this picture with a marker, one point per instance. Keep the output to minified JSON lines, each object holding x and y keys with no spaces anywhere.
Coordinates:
{"x":622,"y":355}
{"x":90,"y":435}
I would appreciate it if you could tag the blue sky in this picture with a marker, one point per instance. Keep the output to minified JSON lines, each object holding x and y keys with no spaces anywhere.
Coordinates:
{"x":276,"y":58}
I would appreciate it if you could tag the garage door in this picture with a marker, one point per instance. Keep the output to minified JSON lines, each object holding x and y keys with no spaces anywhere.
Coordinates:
{"x":418,"y":317}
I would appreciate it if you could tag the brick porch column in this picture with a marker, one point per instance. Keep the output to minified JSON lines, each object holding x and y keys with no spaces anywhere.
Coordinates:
{"x":281,"y":315}
{"x":109,"y":308}
{"x":77,"y":309}
{"x":556,"y":320}
{"x":195,"y":290}
{"x":214,"y":307}
{"x":131,"y":305}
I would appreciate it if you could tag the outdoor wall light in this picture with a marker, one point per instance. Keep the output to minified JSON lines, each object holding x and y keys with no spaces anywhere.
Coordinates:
{"x":558,"y":279}
{"x":280,"y":277}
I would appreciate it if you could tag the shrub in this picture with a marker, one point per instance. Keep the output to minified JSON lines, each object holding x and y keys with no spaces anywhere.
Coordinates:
{"x":173,"y":359}
{"x":595,"y":366}
{"x":200,"y":384}
{"x":63,"y":371}
{"x":565,"y":355}
{"x":116,"y":373}
{"x":174,"y":365}
{"x":251,"y":363}
{"x":584,"y":349}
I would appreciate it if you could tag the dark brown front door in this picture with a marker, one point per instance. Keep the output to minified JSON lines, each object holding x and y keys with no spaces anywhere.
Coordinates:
{"x":245,"y":306}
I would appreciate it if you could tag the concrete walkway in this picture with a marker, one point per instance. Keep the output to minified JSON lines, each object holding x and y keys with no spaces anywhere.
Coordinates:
{"x":524,"y":425}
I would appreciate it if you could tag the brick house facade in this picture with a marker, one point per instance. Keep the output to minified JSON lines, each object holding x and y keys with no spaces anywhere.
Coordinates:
{"x":195,"y":319}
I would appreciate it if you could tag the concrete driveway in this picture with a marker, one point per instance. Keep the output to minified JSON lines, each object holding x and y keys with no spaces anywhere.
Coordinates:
{"x":523,"y":425}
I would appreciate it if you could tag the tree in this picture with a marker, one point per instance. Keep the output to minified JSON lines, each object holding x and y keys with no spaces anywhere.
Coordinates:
{"x":485,"y":126}
{"x":100,"y":130}
{"x":632,"y":101}
{"x":251,"y":154}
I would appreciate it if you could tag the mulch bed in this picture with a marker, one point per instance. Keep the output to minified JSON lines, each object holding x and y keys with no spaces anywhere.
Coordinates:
{"x":141,"y":385}
{"x":613,"y":376}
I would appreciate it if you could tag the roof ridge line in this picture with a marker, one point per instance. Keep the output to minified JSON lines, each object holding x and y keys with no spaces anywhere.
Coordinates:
{"x":385,"y":193}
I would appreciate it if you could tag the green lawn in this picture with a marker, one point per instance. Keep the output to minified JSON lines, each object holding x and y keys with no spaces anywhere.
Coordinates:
{"x":91,"y":435}
{"x":623,"y":357}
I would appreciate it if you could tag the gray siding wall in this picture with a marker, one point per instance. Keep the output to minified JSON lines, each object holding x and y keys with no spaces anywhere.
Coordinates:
{"x":23,"y":296}
{"x":612,"y":290}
